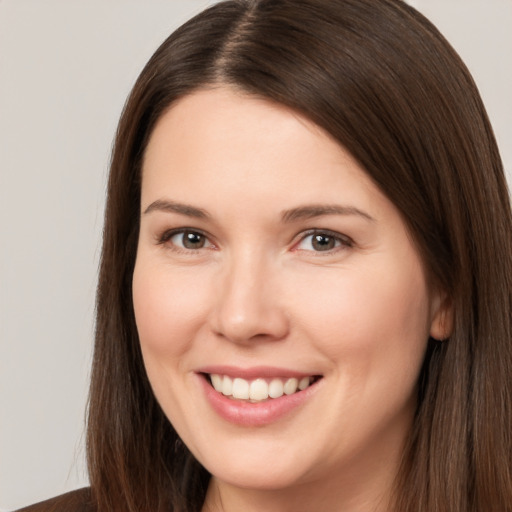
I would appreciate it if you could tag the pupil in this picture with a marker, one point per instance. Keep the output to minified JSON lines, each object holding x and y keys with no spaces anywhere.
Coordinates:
{"x":193,"y":240}
{"x":323,"y":243}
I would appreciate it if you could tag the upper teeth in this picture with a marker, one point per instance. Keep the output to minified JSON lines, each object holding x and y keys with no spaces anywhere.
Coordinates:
{"x":258,"y":389}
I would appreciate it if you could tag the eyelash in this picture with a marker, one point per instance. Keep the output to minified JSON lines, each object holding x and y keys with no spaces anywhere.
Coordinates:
{"x":166,"y":236}
{"x":341,"y":241}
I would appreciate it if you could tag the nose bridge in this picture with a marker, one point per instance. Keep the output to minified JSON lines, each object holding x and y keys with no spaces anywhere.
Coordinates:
{"x":247,"y":307}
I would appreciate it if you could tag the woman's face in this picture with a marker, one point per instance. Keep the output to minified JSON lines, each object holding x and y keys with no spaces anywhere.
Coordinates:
{"x":269,"y":263}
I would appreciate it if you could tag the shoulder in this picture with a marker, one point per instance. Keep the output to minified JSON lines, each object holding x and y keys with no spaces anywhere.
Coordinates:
{"x":74,"y":501}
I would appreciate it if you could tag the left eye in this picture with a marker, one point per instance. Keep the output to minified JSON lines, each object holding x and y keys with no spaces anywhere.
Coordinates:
{"x":189,"y":240}
{"x":321,"y":242}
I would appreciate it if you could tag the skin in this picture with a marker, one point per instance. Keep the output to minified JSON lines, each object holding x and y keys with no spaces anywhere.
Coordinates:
{"x":260,"y":293}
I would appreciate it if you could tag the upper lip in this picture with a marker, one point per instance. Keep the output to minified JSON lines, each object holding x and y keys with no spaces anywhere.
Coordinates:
{"x":254,"y":372}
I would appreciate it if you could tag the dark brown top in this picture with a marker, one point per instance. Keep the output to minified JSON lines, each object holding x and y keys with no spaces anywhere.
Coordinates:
{"x":74,"y":501}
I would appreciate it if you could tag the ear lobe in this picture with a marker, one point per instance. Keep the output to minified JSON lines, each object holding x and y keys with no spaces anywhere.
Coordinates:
{"x":441,"y":326}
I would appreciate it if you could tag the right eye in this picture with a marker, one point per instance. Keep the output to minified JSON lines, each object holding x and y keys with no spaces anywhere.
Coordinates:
{"x":186,"y":239}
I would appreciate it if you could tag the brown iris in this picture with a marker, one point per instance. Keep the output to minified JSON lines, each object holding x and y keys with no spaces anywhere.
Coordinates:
{"x":193,"y":240}
{"x":323,"y":242}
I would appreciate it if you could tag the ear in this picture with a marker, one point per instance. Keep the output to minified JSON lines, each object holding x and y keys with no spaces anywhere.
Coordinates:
{"x":441,"y":326}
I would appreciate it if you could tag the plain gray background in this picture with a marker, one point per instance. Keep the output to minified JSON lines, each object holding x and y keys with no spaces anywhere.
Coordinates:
{"x":66,"y":67}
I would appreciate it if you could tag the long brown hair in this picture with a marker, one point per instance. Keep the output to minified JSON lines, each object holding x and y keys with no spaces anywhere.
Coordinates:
{"x":379,"y":78}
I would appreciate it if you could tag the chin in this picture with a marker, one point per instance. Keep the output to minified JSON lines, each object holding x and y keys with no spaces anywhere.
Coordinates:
{"x":257,"y":480}
{"x":265,"y":466}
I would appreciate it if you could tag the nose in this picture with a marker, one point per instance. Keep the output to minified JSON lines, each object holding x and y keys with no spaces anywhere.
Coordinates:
{"x":249,"y":306}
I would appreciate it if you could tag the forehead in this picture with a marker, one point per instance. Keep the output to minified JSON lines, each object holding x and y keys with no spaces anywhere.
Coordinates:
{"x":234,"y":142}
{"x":221,"y":120}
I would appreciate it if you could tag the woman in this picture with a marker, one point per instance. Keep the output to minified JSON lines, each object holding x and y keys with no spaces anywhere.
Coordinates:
{"x":305,"y":289}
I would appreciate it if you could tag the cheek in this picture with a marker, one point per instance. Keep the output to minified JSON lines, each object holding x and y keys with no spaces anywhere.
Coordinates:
{"x":169,"y":309}
{"x":370,"y":322}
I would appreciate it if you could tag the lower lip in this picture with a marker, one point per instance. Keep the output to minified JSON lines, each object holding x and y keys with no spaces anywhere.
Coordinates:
{"x":248,"y":414}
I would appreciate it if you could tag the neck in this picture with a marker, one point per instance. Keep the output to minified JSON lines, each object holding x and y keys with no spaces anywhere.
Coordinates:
{"x":231,"y":500}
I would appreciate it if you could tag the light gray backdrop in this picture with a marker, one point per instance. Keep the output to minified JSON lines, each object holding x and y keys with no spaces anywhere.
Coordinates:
{"x":66,"y":67}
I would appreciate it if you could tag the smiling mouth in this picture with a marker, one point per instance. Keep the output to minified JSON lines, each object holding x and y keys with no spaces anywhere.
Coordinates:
{"x":259,"y":389}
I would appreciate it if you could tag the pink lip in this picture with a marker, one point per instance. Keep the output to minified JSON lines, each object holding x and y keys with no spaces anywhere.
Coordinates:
{"x":247,"y":414}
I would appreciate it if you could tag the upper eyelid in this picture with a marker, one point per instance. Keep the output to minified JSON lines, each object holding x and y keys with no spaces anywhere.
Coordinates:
{"x":318,"y":231}
{"x":165,"y":235}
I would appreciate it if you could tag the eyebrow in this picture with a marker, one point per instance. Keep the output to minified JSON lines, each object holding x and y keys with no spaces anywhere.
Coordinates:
{"x":163,"y":205}
{"x":288,"y":216}
{"x":318,"y":210}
